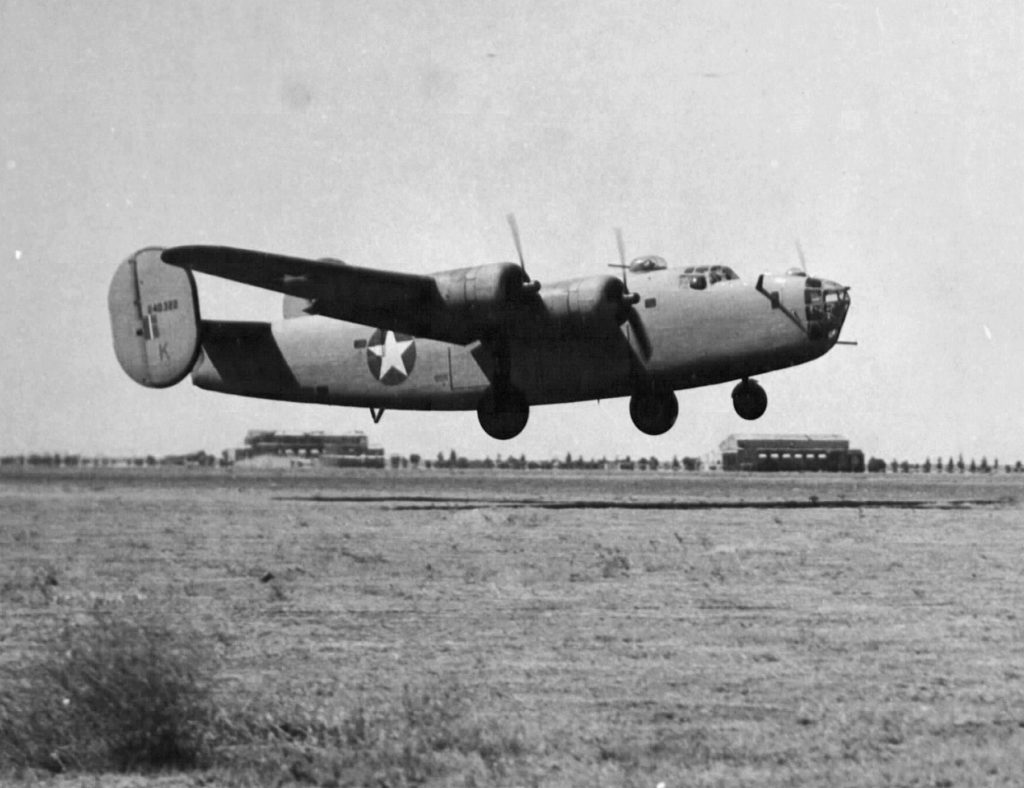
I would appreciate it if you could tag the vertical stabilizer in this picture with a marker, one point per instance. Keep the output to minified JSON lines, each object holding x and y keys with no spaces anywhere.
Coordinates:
{"x":154,"y":318}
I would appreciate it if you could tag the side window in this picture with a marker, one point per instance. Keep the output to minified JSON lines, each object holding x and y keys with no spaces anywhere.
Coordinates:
{"x":815,"y":305}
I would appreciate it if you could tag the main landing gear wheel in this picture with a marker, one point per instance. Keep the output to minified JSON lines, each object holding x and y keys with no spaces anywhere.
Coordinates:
{"x":654,"y":412}
{"x":749,"y":400}
{"x":503,"y":416}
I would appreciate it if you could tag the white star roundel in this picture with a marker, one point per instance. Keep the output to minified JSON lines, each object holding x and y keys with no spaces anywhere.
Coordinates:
{"x":390,"y":356}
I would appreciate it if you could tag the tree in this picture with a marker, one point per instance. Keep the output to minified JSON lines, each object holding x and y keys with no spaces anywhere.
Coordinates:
{"x":949,"y":465}
{"x":905,"y":466}
{"x":927,"y":467}
{"x":415,"y":460}
{"x":876,"y":465}
{"x":895,"y":466}
{"x":973,"y":466}
{"x":960,"y":463}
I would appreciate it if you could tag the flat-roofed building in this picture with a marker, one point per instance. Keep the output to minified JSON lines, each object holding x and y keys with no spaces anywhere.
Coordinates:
{"x":790,"y":453}
{"x":278,"y":448}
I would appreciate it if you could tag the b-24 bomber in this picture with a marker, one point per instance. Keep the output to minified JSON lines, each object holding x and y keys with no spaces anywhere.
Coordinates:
{"x":486,"y":338}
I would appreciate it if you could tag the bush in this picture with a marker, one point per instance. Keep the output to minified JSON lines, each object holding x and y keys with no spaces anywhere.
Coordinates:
{"x":130,"y":688}
{"x":116,"y":689}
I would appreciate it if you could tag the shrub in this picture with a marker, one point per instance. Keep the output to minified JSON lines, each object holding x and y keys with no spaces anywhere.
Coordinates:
{"x":130,"y":688}
{"x":118,"y":688}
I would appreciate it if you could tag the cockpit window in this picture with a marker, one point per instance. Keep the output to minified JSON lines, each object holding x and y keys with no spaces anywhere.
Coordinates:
{"x":826,"y":304}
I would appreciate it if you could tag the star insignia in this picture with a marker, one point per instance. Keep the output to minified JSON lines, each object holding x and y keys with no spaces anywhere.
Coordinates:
{"x":390,"y":356}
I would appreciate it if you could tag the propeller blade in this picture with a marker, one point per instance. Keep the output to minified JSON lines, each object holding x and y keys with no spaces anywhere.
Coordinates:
{"x":529,"y":285}
{"x":636,"y":323}
{"x":800,"y":254}
{"x":514,"y":227}
{"x":622,"y":256}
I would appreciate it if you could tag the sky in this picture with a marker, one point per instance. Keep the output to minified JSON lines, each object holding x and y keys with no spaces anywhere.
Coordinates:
{"x":888,"y":138}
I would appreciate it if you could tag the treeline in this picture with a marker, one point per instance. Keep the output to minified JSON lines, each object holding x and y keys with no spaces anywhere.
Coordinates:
{"x":941,"y":465}
{"x":454,"y":460}
{"x":57,"y":460}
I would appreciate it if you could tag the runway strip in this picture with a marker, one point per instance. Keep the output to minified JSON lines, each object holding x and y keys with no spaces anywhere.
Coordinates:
{"x":415,"y":502}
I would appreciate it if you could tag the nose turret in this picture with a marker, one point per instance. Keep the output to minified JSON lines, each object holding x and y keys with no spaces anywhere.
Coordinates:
{"x":826,"y":304}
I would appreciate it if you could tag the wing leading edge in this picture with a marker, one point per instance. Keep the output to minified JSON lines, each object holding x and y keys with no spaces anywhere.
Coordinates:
{"x":410,"y":303}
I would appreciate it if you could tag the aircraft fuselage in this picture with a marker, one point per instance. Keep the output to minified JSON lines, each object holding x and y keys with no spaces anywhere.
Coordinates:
{"x":698,"y":337}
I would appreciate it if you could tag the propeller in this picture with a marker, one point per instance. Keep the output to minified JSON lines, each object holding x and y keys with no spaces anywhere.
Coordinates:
{"x":622,"y":256}
{"x":529,"y":285}
{"x":800,"y":254}
{"x":630,"y":300}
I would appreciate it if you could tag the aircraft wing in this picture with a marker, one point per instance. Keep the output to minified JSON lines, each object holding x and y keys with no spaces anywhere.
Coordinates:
{"x":410,"y":303}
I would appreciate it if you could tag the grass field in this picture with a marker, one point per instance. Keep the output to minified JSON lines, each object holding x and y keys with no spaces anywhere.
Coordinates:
{"x":461,"y":629}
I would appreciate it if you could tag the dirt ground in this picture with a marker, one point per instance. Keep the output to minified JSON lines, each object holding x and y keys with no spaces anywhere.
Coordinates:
{"x":631,"y":629}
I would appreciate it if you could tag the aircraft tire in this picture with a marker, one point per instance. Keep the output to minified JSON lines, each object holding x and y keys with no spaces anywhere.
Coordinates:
{"x":503,"y":417}
{"x":749,"y":400}
{"x":654,"y":412}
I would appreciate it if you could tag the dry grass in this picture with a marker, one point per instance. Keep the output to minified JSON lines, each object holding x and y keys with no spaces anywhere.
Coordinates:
{"x":116,"y":688}
{"x":122,"y":689}
{"x":492,"y":646}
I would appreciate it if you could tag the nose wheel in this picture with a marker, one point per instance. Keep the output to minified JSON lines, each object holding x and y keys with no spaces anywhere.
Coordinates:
{"x":503,"y":413}
{"x":654,"y":412}
{"x":749,"y":400}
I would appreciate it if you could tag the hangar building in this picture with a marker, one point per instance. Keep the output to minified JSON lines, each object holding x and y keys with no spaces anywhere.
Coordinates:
{"x":288,"y":449}
{"x":790,"y":453}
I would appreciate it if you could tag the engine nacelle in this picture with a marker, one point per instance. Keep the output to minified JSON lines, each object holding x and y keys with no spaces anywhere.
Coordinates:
{"x":483,"y":290}
{"x":582,"y":305}
{"x":154,"y":319}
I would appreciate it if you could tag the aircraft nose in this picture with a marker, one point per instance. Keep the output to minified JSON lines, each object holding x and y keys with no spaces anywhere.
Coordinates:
{"x":827,"y":304}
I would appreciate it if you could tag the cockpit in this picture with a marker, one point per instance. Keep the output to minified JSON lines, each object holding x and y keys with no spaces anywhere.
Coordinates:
{"x":700,"y":277}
